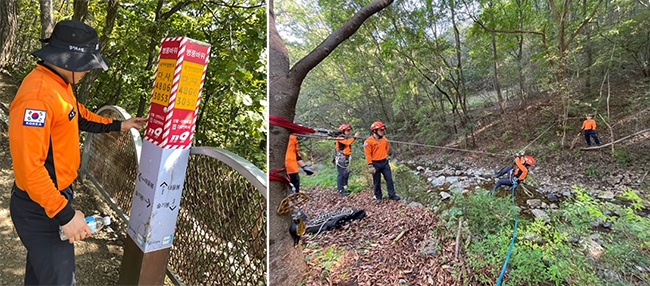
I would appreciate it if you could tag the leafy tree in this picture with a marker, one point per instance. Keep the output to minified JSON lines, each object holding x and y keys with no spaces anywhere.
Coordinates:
{"x":233,"y":107}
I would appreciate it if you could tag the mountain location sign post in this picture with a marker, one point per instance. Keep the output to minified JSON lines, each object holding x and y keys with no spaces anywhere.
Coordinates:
{"x":177,"y":88}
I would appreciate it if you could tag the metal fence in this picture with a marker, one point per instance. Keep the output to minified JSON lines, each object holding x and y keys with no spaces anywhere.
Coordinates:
{"x":221,"y":230}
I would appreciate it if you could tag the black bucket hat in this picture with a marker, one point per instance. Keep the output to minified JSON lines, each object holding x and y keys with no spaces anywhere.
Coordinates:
{"x":73,"y":46}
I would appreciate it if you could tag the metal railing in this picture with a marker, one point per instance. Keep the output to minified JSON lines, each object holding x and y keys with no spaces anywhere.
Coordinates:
{"x":221,"y":229}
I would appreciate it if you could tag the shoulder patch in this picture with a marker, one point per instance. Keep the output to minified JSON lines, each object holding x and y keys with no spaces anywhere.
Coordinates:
{"x":34,"y":118}
{"x":365,"y":144}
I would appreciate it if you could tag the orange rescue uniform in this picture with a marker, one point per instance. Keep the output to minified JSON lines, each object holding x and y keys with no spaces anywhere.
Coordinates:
{"x":589,"y":124}
{"x":293,"y":156}
{"x":521,"y":171}
{"x":376,"y":149}
{"x":346,"y":143}
{"x":44,"y":124}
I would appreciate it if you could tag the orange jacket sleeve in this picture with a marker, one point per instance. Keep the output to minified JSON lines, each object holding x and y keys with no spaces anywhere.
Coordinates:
{"x":292,"y":156}
{"x":524,"y":171}
{"x":348,"y":145}
{"x":29,"y":149}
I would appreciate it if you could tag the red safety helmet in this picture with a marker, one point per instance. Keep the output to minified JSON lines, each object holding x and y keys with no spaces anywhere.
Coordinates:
{"x":377,"y":125}
{"x":345,"y":127}
{"x":529,"y":160}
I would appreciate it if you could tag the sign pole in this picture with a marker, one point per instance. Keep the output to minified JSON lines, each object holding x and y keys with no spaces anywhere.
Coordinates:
{"x":180,"y":75}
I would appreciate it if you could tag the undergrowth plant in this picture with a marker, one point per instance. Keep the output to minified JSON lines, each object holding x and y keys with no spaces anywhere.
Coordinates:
{"x":557,"y":252}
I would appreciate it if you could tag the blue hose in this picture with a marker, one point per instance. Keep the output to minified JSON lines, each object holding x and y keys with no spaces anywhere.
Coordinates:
{"x":512,"y":242}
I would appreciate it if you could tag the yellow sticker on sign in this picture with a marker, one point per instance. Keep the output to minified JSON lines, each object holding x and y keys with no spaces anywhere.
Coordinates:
{"x":163,"y":85}
{"x":189,"y":85}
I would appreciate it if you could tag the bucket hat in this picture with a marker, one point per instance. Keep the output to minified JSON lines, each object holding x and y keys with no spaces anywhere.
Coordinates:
{"x":73,"y":46}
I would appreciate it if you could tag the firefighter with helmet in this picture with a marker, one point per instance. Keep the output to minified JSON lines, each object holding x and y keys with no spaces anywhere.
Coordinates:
{"x":516,"y":173}
{"x":342,"y":157}
{"x":376,"y":148}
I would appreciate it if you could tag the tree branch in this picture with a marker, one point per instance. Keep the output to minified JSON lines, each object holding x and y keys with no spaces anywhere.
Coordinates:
{"x":584,"y":22}
{"x":614,"y":142}
{"x":302,"y":67}
{"x":175,"y":9}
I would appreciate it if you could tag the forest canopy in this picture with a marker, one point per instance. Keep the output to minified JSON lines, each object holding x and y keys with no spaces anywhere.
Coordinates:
{"x":233,"y":110}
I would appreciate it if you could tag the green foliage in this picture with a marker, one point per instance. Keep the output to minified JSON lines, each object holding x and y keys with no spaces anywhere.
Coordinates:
{"x":233,"y":108}
{"x":592,"y":171}
{"x":556,"y":252}
{"x":484,"y":213}
{"x":327,"y":258}
{"x":412,"y":186}
{"x":634,"y":198}
{"x":622,"y":157}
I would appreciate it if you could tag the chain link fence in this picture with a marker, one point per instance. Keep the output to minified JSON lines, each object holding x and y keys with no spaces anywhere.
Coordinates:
{"x":221,"y":230}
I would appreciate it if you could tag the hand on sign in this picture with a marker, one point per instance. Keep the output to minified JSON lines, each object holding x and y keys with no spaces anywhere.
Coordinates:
{"x":135,"y":122}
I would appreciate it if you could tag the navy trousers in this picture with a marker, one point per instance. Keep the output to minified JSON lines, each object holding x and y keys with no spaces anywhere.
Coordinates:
{"x":343,"y":176}
{"x":295,"y":181}
{"x":591,"y":134}
{"x":507,"y":181}
{"x":50,"y":261}
{"x":383,"y":168}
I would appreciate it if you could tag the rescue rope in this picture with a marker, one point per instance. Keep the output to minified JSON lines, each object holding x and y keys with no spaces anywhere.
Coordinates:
{"x":411,"y":143}
{"x":286,"y":124}
{"x":512,"y":242}
{"x":293,"y":128}
{"x":540,"y":135}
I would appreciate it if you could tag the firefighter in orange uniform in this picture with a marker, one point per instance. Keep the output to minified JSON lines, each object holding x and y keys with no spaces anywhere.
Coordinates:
{"x":589,"y":127}
{"x":517,"y":173}
{"x":376,"y":148}
{"x":342,"y":158}
{"x":44,"y":124}
{"x":293,"y":162}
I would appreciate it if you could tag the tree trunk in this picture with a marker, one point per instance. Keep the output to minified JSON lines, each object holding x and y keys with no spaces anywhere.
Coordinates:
{"x":111,"y":16}
{"x":588,"y":52}
{"x":80,"y":10}
{"x":497,"y":86}
{"x":286,"y":263}
{"x":153,"y":43}
{"x":47,"y":19}
{"x":8,"y":29}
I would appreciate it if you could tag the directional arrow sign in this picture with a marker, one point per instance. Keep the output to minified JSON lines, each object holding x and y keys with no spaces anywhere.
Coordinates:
{"x":148,"y":202}
{"x":164,"y":184}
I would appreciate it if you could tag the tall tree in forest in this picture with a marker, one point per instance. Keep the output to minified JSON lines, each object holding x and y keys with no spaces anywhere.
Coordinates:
{"x":161,"y":17}
{"x":81,"y":11}
{"x":47,"y":18}
{"x":8,"y":28}
{"x":286,"y":262}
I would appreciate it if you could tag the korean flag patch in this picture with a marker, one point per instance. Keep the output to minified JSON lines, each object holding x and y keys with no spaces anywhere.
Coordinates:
{"x":35,"y":118}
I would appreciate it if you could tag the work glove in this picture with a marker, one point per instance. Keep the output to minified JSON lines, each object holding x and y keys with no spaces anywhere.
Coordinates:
{"x":308,"y":170}
{"x":371,"y":169}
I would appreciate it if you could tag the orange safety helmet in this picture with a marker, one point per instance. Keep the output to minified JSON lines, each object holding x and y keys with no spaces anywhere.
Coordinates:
{"x":377,"y":125}
{"x":529,"y":160}
{"x":344,"y":127}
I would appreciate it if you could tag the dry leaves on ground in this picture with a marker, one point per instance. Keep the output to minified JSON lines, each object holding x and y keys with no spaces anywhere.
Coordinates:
{"x":394,"y":244}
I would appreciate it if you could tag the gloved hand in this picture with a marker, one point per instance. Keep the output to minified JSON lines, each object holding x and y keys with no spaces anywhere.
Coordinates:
{"x":371,"y":169}
{"x":308,"y":170}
